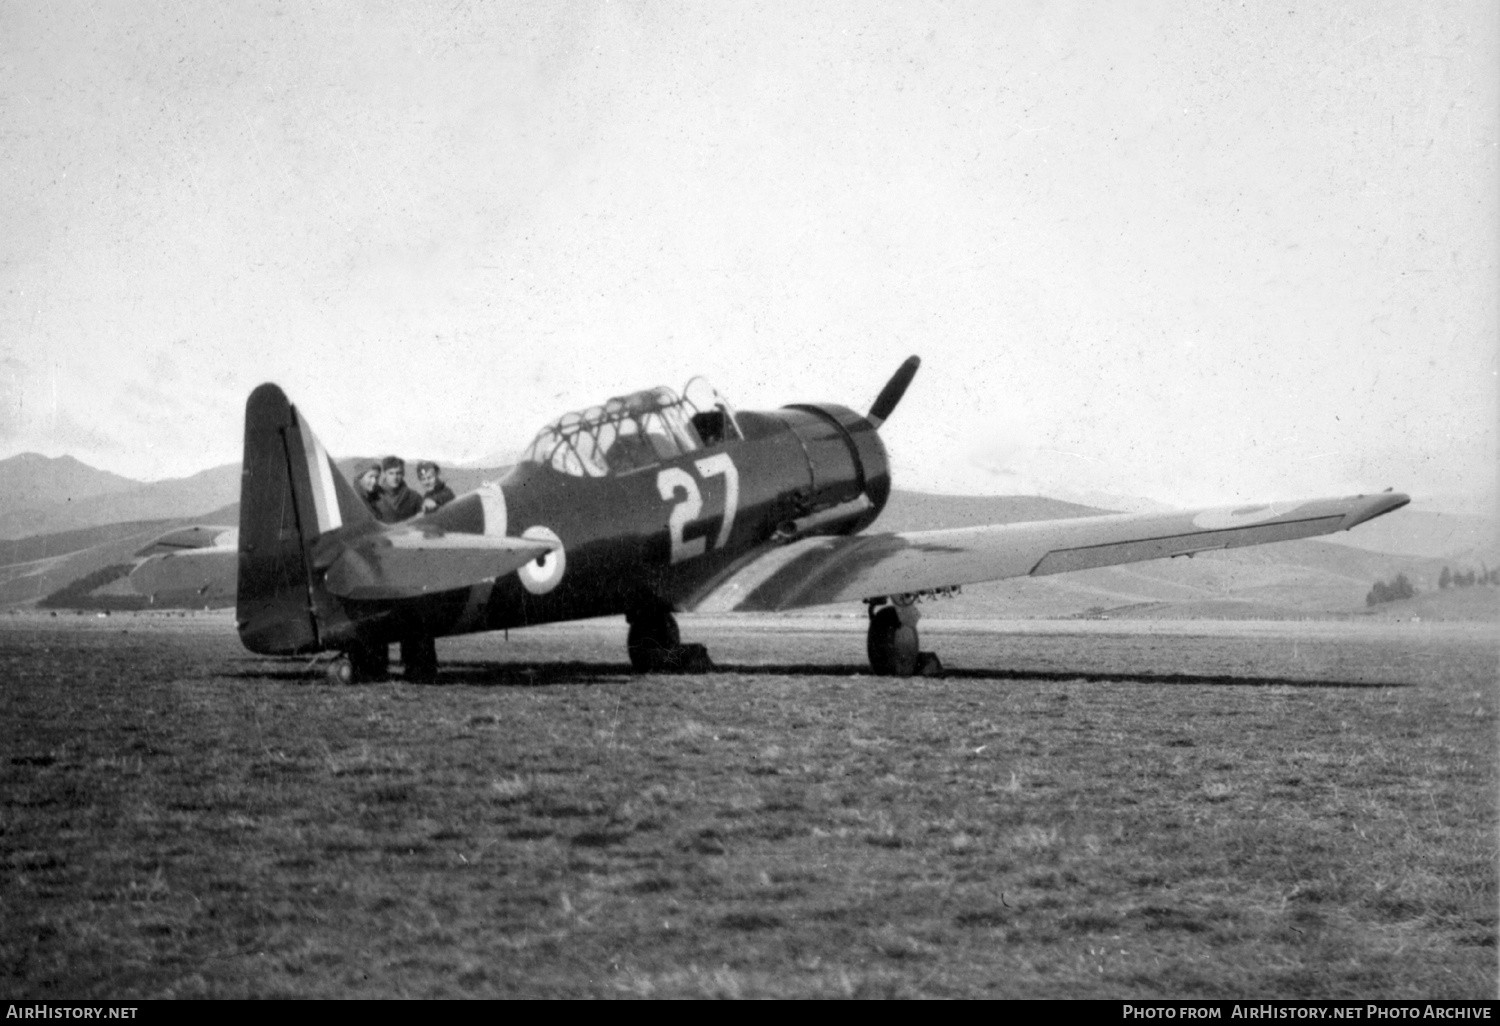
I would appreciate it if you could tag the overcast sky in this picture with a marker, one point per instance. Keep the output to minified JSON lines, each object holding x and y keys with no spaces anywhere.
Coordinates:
{"x":1203,"y":253}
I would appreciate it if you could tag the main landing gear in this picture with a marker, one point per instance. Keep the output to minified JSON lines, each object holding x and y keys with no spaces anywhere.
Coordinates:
{"x":364,"y":662}
{"x":892,"y":644}
{"x":655,"y":645}
{"x":419,"y":658}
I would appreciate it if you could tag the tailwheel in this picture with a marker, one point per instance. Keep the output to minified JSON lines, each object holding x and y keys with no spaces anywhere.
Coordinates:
{"x":360,"y":664}
{"x":893,"y":645}
{"x":341,"y":671}
{"x":419,"y":659}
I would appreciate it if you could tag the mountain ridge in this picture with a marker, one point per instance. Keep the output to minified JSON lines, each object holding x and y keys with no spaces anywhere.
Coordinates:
{"x":42,"y":495}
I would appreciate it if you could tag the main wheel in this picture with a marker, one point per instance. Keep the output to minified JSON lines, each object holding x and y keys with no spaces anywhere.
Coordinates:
{"x":892,"y":645}
{"x":419,"y":659}
{"x":653,"y":640}
{"x":360,"y":664}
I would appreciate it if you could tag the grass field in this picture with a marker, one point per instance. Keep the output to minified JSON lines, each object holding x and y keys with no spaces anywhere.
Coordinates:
{"x":1126,"y":810}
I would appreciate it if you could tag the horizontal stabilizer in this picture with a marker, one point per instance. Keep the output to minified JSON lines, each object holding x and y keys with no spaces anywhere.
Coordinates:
{"x":199,"y":536}
{"x":407,"y":562}
{"x":188,"y":576}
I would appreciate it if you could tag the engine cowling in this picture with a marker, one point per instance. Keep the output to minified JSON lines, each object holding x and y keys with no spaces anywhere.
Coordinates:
{"x":847,"y":466}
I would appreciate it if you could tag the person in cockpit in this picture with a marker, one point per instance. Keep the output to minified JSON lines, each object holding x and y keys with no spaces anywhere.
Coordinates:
{"x":397,"y":500}
{"x":435,"y":492}
{"x":367,"y":483}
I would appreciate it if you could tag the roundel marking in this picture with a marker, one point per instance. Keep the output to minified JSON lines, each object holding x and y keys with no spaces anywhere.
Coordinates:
{"x":1241,"y":516}
{"x":544,"y":573}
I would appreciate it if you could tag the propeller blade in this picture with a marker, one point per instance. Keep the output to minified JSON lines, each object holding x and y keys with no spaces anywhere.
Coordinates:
{"x":894,"y":389}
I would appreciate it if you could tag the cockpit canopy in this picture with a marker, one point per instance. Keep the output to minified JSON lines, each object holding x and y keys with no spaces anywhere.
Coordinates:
{"x":633,"y":431}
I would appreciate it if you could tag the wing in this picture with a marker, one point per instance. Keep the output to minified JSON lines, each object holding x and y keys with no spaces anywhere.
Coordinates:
{"x":818,"y":571}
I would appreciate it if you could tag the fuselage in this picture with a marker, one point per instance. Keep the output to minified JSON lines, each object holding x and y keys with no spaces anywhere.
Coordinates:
{"x":645,"y":536}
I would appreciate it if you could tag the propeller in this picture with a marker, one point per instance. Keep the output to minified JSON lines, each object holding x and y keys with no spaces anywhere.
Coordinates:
{"x":894,"y":389}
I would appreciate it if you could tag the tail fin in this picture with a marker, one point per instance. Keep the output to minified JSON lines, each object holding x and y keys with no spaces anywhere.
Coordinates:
{"x":290,"y":495}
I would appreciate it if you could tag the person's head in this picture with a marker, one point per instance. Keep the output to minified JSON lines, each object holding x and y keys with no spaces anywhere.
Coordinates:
{"x":367,"y":478}
{"x":392,"y":472}
{"x":427,"y":476}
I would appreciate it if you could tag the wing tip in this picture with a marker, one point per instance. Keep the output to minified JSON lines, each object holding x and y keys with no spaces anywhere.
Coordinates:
{"x":1377,"y":505}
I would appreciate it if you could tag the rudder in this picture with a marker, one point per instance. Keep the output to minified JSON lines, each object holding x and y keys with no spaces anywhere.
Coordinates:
{"x":290,"y":495}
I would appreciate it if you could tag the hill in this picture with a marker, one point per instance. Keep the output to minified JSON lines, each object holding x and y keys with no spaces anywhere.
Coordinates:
{"x":80,"y":498}
{"x":1292,"y":580}
{"x":29,"y":478}
{"x":1435,"y":533}
{"x":34,"y":487}
{"x":1451,"y":604}
{"x":32,"y":569}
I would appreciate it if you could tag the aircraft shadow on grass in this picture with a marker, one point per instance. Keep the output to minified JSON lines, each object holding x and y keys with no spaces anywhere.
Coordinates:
{"x":574,"y":673}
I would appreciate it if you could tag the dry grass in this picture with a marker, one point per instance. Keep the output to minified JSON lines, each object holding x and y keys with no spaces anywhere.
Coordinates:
{"x":1094,"y":815}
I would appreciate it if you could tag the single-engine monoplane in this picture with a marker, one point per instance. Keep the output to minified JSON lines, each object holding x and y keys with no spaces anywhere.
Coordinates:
{"x":647,"y":505}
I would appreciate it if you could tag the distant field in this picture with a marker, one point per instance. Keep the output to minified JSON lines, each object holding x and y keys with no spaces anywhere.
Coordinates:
{"x":1452,"y":604}
{"x":1081,"y":809}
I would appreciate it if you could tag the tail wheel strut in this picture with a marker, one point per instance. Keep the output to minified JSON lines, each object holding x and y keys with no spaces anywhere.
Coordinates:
{"x":419,"y":659}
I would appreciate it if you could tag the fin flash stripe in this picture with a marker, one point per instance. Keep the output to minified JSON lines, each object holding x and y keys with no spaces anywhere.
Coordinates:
{"x":320,"y":477}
